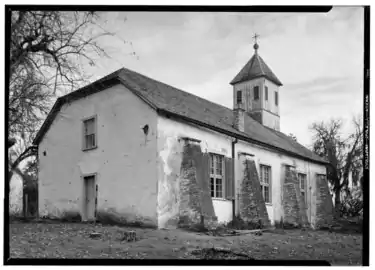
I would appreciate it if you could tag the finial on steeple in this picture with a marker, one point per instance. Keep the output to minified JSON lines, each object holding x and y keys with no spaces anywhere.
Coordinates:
{"x":256,"y":46}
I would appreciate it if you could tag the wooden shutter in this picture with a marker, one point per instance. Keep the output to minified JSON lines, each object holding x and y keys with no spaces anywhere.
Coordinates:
{"x":228,"y":179}
{"x":206,"y":168}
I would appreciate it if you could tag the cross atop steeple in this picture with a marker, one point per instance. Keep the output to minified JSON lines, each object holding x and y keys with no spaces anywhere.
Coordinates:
{"x":256,"y":46}
{"x":255,"y":37}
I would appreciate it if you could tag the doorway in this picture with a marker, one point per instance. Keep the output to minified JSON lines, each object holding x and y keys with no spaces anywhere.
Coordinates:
{"x":89,"y":197}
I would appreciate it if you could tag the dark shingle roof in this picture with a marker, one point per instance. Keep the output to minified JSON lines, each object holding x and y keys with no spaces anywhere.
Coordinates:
{"x":255,"y":68}
{"x":170,"y":100}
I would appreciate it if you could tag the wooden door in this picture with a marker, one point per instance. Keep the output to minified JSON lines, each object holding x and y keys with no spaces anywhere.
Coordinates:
{"x":90,"y":196}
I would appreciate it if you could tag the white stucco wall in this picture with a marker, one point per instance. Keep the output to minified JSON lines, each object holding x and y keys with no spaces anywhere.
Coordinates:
{"x":168,"y":132}
{"x":124,"y":161}
{"x":223,"y":210}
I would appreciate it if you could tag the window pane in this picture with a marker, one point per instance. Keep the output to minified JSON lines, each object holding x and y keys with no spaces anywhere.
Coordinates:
{"x":89,"y":126}
{"x":256,"y":92}
{"x":219,"y":165}
{"x":266,"y":92}
{"x":212,"y":181}
{"x":239,"y":97}
{"x":266,"y":194}
{"x":303,"y":196}
{"x":219,"y":188}
{"x":266,"y":175}
{"x":302,"y":180}
{"x":90,"y":140}
{"x":212,"y":164}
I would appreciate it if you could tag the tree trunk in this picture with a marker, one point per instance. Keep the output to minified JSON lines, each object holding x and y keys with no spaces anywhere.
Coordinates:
{"x":337,"y":203}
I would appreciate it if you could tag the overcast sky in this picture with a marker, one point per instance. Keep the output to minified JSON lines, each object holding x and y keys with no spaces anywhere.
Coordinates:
{"x":317,"y":57}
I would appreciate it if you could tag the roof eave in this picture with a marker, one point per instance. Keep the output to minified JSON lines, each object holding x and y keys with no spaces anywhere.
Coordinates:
{"x":235,"y":81}
{"x":238,"y":136}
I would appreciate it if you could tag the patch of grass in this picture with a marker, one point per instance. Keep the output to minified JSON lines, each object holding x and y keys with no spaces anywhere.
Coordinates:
{"x":72,"y":240}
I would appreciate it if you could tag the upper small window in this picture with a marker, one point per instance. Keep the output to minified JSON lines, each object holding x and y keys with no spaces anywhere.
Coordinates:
{"x":266,"y":93}
{"x":239,"y":97}
{"x":89,"y":133}
{"x":276,"y":98}
{"x":256,"y":92}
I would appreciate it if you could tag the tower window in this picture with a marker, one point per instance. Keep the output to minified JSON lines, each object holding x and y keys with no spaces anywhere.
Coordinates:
{"x":266,"y":92}
{"x":276,"y":98}
{"x":256,"y":92}
{"x":239,"y":97}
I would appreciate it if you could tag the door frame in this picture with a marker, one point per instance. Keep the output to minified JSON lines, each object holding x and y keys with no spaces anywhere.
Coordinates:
{"x":84,"y":194}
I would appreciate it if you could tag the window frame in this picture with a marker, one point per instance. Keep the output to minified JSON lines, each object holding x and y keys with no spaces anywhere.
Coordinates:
{"x":84,"y":120}
{"x":263,"y":184}
{"x":239,"y":96}
{"x":302,"y":190}
{"x":266,"y":93}
{"x":215,"y":176}
{"x":256,"y":97}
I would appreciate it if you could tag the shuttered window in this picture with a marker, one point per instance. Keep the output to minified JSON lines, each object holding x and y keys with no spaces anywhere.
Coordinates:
{"x":265,"y":182}
{"x":216,"y":175}
{"x":302,"y":185}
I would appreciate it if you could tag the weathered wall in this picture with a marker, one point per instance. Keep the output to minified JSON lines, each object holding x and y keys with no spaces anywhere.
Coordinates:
{"x":169,"y":165}
{"x":169,"y":161}
{"x":124,"y":161}
{"x":294,"y":206}
{"x":196,"y":207}
{"x":248,"y":94}
{"x":252,"y":207}
{"x":262,"y":110}
{"x":276,"y":161}
{"x":324,"y":204}
{"x":270,"y":105}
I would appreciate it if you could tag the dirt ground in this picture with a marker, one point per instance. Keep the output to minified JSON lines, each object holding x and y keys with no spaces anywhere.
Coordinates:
{"x":72,"y":240}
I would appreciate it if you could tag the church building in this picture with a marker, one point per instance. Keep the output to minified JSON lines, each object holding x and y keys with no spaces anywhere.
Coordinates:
{"x":143,"y":151}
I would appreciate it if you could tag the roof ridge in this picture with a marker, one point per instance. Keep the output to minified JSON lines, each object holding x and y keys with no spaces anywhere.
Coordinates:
{"x":175,"y":88}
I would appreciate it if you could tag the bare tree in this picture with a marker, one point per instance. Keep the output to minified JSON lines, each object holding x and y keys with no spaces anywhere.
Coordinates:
{"x":47,"y":52}
{"x":344,"y":154}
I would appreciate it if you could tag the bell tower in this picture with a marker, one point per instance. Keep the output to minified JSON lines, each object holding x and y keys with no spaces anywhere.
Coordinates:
{"x":256,"y":90}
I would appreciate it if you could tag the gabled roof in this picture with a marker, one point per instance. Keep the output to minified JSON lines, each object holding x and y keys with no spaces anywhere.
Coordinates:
{"x":255,"y":68}
{"x":188,"y":107}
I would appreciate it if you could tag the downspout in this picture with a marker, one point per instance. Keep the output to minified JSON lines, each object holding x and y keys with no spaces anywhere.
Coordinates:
{"x":234,"y":175}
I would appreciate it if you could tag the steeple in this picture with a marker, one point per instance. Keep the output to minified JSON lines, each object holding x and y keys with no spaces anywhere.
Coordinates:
{"x":255,"y":68}
{"x":256,"y":90}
